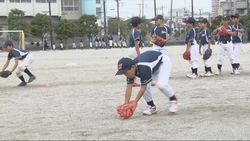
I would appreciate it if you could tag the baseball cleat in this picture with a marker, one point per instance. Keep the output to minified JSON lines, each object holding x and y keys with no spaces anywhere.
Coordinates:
{"x":193,"y":75}
{"x":236,"y":72}
{"x":203,"y":74}
{"x":173,"y":106}
{"x":208,"y":74}
{"x":153,"y":84}
{"x":240,"y":68}
{"x":218,"y":72}
{"x":32,"y":78}
{"x":150,"y":110}
{"x":136,"y":85}
{"x":22,"y":84}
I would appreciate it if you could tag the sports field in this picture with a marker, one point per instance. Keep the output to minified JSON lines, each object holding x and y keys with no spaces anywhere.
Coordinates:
{"x":80,"y":101}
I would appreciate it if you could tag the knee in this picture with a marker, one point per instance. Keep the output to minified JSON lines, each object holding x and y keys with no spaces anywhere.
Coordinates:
{"x":161,"y":86}
{"x":21,"y":68}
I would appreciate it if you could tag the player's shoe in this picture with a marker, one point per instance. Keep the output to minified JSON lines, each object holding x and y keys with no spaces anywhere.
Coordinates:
{"x":150,"y":110}
{"x":173,"y":106}
{"x":136,"y":85}
{"x":218,"y":72}
{"x":193,"y":76}
{"x":32,"y":78}
{"x":153,"y":84}
{"x":203,"y":74}
{"x":236,"y":72}
{"x":22,"y":84}
{"x":232,"y":72}
{"x":209,"y":73}
{"x":240,"y":68}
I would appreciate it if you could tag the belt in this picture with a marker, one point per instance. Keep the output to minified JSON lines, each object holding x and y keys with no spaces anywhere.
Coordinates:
{"x":204,"y":44}
{"x":225,"y":42}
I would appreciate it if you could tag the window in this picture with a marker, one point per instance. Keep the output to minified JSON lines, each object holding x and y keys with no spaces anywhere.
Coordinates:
{"x":25,"y":1}
{"x":15,"y":1}
{"x":1,"y":0}
{"x":45,"y":1}
{"x":98,"y":1}
{"x":70,"y":5}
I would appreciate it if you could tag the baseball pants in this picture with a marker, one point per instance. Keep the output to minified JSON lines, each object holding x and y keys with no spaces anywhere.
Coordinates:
{"x":23,"y":64}
{"x":159,"y":49}
{"x":203,"y":50}
{"x":226,"y":48}
{"x":110,"y":43}
{"x":194,"y":51}
{"x":237,"y":50}
{"x":132,"y":52}
{"x":162,"y":76}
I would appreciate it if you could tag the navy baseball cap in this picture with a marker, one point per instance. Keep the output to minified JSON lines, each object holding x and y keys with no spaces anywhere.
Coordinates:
{"x":124,"y":64}
{"x":203,"y":20}
{"x":190,"y":20}
{"x":7,"y":43}
{"x":235,"y":15}
{"x":136,"y":20}
{"x":226,"y":17}
{"x":157,"y":18}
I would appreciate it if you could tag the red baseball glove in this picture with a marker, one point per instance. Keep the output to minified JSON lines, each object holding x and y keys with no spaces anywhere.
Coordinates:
{"x":223,"y":31}
{"x":159,"y":41}
{"x":126,"y":110}
{"x":186,"y":55}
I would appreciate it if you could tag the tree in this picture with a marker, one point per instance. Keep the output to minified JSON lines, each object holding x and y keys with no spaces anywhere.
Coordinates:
{"x":113,"y":27}
{"x":40,"y":25}
{"x":215,"y":23}
{"x":87,"y":26}
{"x":16,"y":21}
{"x":64,"y":30}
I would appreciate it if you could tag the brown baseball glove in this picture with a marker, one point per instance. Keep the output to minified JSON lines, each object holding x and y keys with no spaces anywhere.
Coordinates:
{"x":159,"y":41}
{"x":186,"y":55}
{"x":223,"y":31}
{"x":126,"y":110}
{"x":5,"y":74}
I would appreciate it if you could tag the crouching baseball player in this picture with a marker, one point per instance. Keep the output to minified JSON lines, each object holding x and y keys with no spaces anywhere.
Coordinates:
{"x":22,"y":58}
{"x":148,"y":65}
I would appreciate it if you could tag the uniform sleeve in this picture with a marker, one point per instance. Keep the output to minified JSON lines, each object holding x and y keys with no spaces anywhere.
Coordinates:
{"x":241,"y":26}
{"x":130,"y":80}
{"x":208,"y":34}
{"x":9,"y":56}
{"x":170,"y":32}
{"x":16,"y":55}
{"x":145,"y":75}
{"x":136,"y":35}
{"x":191,"y":36}
{"x":152,"y":31}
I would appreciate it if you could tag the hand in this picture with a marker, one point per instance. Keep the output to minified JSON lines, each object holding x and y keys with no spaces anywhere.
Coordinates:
{"x":200,"y":52}
{"x":153,"y":40}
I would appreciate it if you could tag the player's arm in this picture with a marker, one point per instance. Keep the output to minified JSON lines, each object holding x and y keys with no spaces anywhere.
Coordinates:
{"x":240,"y":30}
{"x":128,"y":93}
{"x":216,"y":31}
{"x":137,"y":47}
{"x":170,"y":32}
{"x":200,"y":48}
{"x":137,"y":38}
{"x":209,"y":38}
{"x":188,"y":46}
{"x":231,"y":33}
{"x":151,"y":35}
{"x":190,"y":40}
{"x":140,"y":93}
{"x":5,"y":65}
{"x":15,"y":65}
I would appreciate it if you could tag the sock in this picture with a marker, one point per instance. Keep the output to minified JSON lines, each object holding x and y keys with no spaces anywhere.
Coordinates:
{"x":237,"y":65}
{"x":28,"y":72}
{"x":172,"y":98}
{"x":151,"y":103}
{"x":209,"y":69}
{"x":234,"y":66}
{"x":206,"y":69}
{"x":22,"y":78}
{"x":195,"y":70}
{"x":219,"y":66}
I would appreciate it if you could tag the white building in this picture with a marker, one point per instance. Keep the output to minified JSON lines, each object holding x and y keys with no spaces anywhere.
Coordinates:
{"x":215,"y":7}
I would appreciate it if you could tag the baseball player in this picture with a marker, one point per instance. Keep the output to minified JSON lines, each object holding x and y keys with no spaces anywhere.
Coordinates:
{"x":162,"y":31}
{"x":226,"y":45}
{"x":22,"y":58}
{"x":192,"y":46}
{"x":96,"y":42}
{"x":204,"y":44}
{"x":237,"y":40}
{"x":148,"y":65}
{"x":74,"y":45}
{"x":111,"y":41}
{"x":103,"y":42}
{"x":81,"y":44}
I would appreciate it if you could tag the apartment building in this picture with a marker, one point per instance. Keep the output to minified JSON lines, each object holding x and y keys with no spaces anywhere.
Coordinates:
{"x":232,"y":6}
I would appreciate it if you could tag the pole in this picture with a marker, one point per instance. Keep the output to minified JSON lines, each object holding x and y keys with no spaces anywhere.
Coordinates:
{"x":247,"y":6}
{"x":155,"y":7}
{"x":105,"y":24}
{"x":200,"y":12}
{"x":51,"y":36}
{"x":162,"y":10}
{"x":171,"y":13}
{"x":118,"y":17}
{"x":192,"y":4}
{"x":142,"y":8}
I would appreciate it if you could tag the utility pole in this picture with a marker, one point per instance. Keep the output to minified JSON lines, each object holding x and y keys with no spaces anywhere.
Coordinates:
{"x":118,"y":17}
{"x":162,"y":11}
{"x":192,"y":5}
{"x":105,"y":24}
{"x":51,"y":36}
{"x":155,"y":7}
{"x":142,"y":8}
{"x":247,"y":6}
{"x":140,"y":15}
{"x":171,"y":13}
{"x":200,"y":12}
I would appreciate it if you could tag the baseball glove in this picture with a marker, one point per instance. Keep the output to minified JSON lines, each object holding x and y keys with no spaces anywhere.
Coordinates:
{"x":5,"y":74}
{"x":223,"y":31}
{"x":126,"y":110}
{"x":186,"y":55}
{"x":207,"y":54}
{"x":159,"y":41}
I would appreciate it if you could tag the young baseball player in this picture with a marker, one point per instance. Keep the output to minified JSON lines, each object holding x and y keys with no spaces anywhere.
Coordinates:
{"x":225,"y":45}
{"x":103,"y":42}
{"x":162,"y":31}
{"x":22,"y":58}
{"x":111,"y":41}
{"x":204,"y":44}
{"x":237,"y":40}
{"x":74,"y":45}
{"x":148,"y":65}
{"x":192,"y":47}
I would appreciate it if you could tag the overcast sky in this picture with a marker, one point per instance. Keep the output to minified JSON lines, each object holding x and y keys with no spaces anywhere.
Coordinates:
{"x":129,"y":8}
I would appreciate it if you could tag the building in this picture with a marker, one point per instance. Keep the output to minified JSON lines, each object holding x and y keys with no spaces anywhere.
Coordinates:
{"x":215,"y":7}
{"x":232,"y":6}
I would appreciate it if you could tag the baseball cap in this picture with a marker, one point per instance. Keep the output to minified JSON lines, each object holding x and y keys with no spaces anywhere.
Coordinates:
{"x":203,"y":20}
{"x":235,"y":15}
{"x":7,"y":43}
{"x":226,"y":17}
{"x":157,"y":18}
{"x":190,"y":20}
{"x":124,"y":64}
{"x":136,"y":20}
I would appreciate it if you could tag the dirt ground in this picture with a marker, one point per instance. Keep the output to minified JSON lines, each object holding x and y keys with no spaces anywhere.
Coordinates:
{"x":80,"y":101}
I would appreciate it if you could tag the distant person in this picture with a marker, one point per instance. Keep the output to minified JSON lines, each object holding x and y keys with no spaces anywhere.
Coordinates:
{"x":90,"y":44}
{"x":81,"y":44}
{"x":96,"y":42}
{"x":103,"y":42}
{"x":74,"y":45}
{"x":111,"y":41}
{"x":45,"y":44}
{"x":99,"y":42}
{"x":54,"y":46}
{"x":61,"y":45}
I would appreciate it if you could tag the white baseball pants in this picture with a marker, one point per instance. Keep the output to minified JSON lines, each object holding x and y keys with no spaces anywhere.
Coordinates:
{"x":226,"y":48}
{"x":96,"y":44}
{"x":237,"y":50}
{"x":162,"y":76}
{"x":132,"y":52}
{"x":160,"y":49}
{"x":194,"y":51}
{"x":23,"y":64}
{"x":110,"y":43}
{"x":203,"y":50}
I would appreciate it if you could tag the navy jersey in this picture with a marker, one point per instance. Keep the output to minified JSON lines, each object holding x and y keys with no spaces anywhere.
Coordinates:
{"x":227,"y":38}
{"x":191,"y":36}
{"x":147,"y":63}
{"x":110,"y":38}
{"x":162,"y":32}
{"x":238,"y":37}
{"x":18,"y":54}
{"x":205,"y":35}
{"x":134,"y":35}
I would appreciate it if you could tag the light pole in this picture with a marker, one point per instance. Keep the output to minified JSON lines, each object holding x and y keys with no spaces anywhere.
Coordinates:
{"x":171,"y":13}
{"x":51,"y":36}
{"x":155,"y":7}
{"x":105,"y":24}
{"x":192,"y":4}
{"x":118,"y":18}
